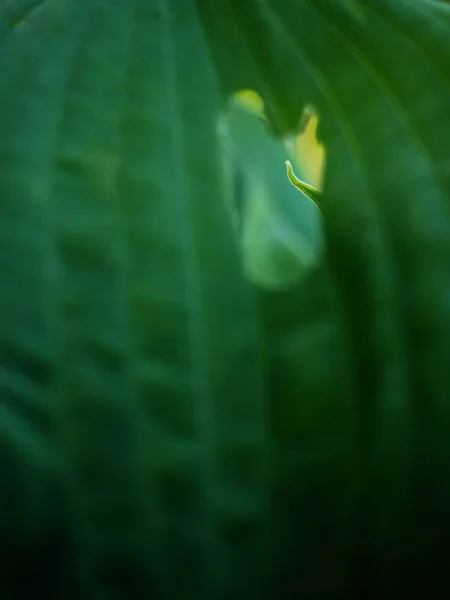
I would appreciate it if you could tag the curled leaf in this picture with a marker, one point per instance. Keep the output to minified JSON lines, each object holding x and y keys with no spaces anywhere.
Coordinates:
{"x":313,"y":194}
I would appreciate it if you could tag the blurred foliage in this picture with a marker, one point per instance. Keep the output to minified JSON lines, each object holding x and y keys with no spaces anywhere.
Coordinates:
{"x":280,"y":230}
{"x":303,"y":146}
{"x":208,"y":389}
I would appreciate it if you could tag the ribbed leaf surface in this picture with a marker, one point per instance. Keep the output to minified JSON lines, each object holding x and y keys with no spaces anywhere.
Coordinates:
{"x":208,"y":439}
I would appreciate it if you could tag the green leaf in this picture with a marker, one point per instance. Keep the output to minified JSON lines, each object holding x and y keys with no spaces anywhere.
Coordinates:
{"x":126,"y":316}
{"x":308,"y":190}
{"x":280,"y":232}
{"x":380,"y":83}
{"x":122,"y":292}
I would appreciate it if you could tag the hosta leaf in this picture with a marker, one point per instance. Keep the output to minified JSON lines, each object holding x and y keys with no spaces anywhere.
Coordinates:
{"x":123,"y":298}
{"x":125,"y":315}
{"x":379,"y":81}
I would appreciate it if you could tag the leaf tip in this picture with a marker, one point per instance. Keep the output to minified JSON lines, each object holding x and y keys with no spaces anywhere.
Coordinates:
{"x":309,"y":191}
{"x":289,"y":169}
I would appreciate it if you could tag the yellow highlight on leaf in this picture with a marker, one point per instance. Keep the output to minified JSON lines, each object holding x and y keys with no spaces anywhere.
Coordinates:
{"x":250,"y":100}
{"x":309,"y":153}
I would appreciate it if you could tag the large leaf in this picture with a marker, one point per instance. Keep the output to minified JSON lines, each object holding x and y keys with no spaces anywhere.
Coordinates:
{"x":379,"y":79}
{"x":126,"y":318}
{"x":122,"y":294}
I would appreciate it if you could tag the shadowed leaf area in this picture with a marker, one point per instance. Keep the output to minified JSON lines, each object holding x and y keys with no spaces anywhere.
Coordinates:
{"x":210,"y":390}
